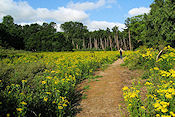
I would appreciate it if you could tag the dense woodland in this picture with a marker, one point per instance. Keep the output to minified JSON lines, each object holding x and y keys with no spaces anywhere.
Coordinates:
{"x":156,"y":29}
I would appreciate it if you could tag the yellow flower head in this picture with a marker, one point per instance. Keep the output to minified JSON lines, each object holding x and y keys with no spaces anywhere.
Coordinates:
{"x":45,"y":99}
{"x":23,"y":81}
{"x":125,"y":88}
{"x":43,"y":82}
{"x":168,"y":96}
{"x":48,"y":77}
{"x":8,"y":115}
{"x":19,"y":109}
{"x":148,"y":83}
{"x":172,"y":113}
{"x":164,"y":110}
{"x":156,"y":68}
{"x":24,"y":103}
{"x":60,"y":107}
{"x":48,"y":93}
{"x":143,"y":107}
{"x":64,"y":105}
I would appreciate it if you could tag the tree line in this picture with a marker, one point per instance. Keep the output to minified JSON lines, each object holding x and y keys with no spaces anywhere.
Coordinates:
{"x":155,"y":29}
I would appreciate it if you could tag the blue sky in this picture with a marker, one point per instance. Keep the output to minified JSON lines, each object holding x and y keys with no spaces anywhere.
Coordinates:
{"x":93,"y":13}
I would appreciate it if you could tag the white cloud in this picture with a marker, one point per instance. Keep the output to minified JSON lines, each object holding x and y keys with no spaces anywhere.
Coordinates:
{"x":25,"y":23}
{"x":109,"y":6}
{"x":62,"y":14}
{"x":86,"y":5}
{"x":22,"y":12}
{"x":138,"y":11}
{"x":96,"y":25}
{"x":111,"y":1}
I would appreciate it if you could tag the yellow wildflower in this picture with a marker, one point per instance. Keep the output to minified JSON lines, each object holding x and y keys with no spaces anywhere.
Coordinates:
{"x":48,"y":77}
{"x":56,"y":82}
{"x":43,"y":82}
{"x":125,"y":88}
{"x":156,"y":68}
{"x":143,"y":107}
{"x":64,"y":105}
{"x":24,"y":103}
{"x":148,"y":83}
{"x":45,"y":99}
{"x":156,"y":105}
{"x":23,"y":81}
{"x":168,"y":96}
{"x":133,"y":95}
{"x":53,"y":102}
{"x":0,"y":81}
{"x":60,"y":107}
{"x":157,"y":115}
{"x":8,"y":115}
{"x":19,"y":109}
{"x":172,"y":113}
{"x":165,"y":115}
{"x":164,"y":110}
{"x":48,"y":93}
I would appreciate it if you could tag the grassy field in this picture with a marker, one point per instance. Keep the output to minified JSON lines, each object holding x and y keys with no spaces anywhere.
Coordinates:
{"x":43,"y":84}
{"x":154,"y":93}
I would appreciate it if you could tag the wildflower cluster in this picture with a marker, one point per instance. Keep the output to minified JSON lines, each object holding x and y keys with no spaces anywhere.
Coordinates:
{"x":159,"y":86}
{"x":43,"y":84}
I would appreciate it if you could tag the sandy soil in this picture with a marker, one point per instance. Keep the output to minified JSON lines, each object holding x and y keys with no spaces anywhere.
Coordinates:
{"x":105,"y":95}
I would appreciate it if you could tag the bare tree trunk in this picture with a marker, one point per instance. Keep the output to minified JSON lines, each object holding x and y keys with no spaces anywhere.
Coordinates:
{"x":105,"y":43}
{"x":124,"y":44}
{"x":130,"y":40}
{"x":101,"y":42}
{"x":90,"y":43}
{"x":84,"y":46}
{"x":121,"y":43}
{"x":77,"y":46}
{"x":159,"y":54}
{"x":95,"y":44}
{"x":117,"y":41}
{"x":110,"y":42}
{"x":73,"y":43}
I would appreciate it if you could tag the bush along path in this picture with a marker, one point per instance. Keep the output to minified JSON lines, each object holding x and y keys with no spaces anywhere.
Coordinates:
{"x":104,"y":96}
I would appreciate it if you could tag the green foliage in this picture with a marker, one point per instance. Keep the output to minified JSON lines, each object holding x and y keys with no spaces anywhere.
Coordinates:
{"x":43,"y":84}
{"x":155,"y":95}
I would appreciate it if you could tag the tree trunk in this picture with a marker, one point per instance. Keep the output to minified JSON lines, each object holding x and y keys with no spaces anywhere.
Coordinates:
{"x":73,"y":43}
{"x":118,"y":47}
{"x":124,"y":44}
{"x":84,"y":46}
{"x":95,"y":44}
{"x":101,"y":42}
{"x":77,"y":46}
{"x":110,"y":42}
{"x":105,"y":43}
{"x":121,"y":43}
{"x":130,"y":40}
{"x":90,"y":43}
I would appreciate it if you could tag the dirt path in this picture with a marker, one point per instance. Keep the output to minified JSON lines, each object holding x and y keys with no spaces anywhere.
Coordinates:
{"x":105,"y":95}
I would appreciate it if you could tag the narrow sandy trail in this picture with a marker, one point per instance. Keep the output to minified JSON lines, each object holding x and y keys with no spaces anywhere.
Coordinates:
{"x":105,"y":95}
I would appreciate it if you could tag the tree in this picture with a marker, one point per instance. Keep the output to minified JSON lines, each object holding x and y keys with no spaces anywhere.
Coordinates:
{"x":160,"y":24}
{"x":75,"y":31}
{"x":115,"y":31}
